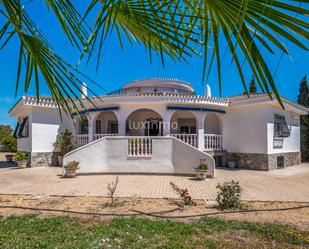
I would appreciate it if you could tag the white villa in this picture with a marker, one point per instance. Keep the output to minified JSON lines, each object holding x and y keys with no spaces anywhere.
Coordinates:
{"x":162,"y":126}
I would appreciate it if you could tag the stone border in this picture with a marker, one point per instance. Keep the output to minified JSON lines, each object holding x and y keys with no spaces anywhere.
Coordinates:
{"x":266,"y":161}
{"x":39,"y":159}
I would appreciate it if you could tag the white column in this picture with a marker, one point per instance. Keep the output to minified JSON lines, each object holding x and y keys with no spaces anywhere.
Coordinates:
{"x":200,"y":119}
{"x":75,"y":130}
{"x":222,"y":120}
{"x":91,"y":118}
{"x":122,"y":118}
{"x":167,"y":122}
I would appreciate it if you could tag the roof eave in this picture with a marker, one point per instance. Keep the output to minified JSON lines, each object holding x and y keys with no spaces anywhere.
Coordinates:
{"x":14,"y":109}
{"x":266,"y":99}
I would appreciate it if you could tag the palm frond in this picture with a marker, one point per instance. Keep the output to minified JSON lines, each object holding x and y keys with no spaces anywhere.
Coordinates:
{"x":72,"y":23}
{"x":36,"y":56}
{"x":158,"y":25}
{"x":177,"y":28}
{"x":250,"y":25}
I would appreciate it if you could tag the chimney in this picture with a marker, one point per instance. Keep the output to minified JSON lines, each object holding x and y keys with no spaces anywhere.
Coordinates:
{"x":84,"y":91}
{"x":208,"y":91}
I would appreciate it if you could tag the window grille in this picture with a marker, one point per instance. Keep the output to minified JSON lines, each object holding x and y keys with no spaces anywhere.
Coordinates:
{"x":98,"y":126}
{"x":84,"y":126}
{"x":22,"y":128}
{"x":281,"y":128}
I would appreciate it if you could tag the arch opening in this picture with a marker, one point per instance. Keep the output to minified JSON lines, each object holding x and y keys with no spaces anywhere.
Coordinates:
{"x":212,"y":124}
{"x":105,"y":123}
{"x":183,"y":122}
{"x":82,"y":125}
{"x":144,"y":122}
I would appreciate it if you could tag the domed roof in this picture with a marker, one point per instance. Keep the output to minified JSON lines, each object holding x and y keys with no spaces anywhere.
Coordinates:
{"x":160,"y":83}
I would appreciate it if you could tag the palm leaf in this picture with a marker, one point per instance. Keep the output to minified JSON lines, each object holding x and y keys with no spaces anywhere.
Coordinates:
{"x":253,"y":25}
{"x":176,"y":28}
{"x":36,"y":55}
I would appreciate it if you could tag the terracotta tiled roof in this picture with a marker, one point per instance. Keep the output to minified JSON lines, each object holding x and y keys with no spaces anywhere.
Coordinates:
{"x":245,"y":96}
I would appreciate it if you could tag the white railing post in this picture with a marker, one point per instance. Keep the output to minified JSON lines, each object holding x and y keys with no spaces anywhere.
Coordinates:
{"x":139,"y":146}
{"x":213,"y":142}
{"x":98,"y":136}
{"x":81,"y":140}
{"x":187,"y":138}
{"x":200,"y":130}
{"x":91,"y":118}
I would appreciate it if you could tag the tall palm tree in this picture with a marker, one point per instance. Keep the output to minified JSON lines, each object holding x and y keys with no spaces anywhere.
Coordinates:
{"x":176,"y":28}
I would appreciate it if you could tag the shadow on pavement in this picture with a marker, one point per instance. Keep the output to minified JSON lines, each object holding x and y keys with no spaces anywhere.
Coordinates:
{"x":5,"y":164}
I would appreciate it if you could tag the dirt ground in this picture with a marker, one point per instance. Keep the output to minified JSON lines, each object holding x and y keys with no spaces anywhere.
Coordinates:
{"x":292,"y":213}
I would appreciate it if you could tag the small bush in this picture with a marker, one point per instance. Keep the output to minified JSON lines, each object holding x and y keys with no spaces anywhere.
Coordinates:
{"x":229,"y":195}
{"x":64,"y":143}
{"x":203,"y":166}
{"x":184,"y":195}
{"x":72,"y":165}
{"x":10,"y":142}
{"x":234,"y":157}
{"x":20,"y":156}
{"x":112,"y":187}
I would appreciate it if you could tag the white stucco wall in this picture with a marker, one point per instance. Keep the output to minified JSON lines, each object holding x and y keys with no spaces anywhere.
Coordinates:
{"x":46,"y":125}
{"x":212,"y":124}
{"x":291,"y":143}
{"x":110,"y":154}
{"x":245,"y":129}
{"x":250,"y":128}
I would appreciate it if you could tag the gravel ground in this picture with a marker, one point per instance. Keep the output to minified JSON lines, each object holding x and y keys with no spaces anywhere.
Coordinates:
{"x":295,"y":214}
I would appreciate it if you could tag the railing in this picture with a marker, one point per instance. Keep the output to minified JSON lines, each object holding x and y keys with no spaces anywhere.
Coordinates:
{"x":98,"y":136}
{"x":187,"y":138}
{"x":213,"y":142}
{"x":139,"y":146}
{"x":142,"y":146}
{"x":81,"y":140}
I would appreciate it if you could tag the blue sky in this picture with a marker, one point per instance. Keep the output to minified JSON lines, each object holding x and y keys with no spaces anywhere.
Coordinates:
{"x":121,"y":66}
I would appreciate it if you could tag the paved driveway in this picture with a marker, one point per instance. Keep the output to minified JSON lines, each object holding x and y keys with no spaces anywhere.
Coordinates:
{"x":289,"y":184}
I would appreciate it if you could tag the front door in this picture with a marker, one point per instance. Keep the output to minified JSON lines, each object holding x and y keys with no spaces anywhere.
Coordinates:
{"x":153,"y":128}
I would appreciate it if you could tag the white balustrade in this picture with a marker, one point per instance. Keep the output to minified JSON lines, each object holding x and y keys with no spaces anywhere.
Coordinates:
{"x":81,"y":140}
{"x":98,"y":136}
{"x":142,"y":146}
{"x":139,"y":146}
{"x":187,"y":138}
{"x":213,"y":142}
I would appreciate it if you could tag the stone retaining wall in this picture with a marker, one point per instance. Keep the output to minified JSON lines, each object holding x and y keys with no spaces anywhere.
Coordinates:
{"x":39,"y":159}
{"x":290,"y":159}
{"x":266,"y":161}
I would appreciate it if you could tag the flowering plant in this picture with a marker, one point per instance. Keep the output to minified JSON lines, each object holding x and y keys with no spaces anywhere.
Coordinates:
{"x":229,"y":195}
{"x":184,"y":195}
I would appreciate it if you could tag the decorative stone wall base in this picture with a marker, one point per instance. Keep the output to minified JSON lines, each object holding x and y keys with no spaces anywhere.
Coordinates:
{"x":290,"y":159}
{"x":266,"y":161}
{"x":39,"y":159}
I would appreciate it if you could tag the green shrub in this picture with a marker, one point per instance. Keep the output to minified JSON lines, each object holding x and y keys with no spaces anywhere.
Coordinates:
{"x":229,"y":195}
{"x":203,"y":166}
{"x":64,"y":143}
{"x":234,"y":157}
{"x":20,"y":156}
{"x":10,"y":142}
